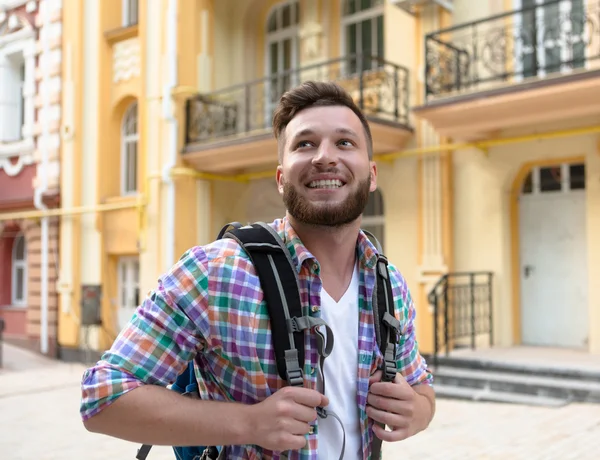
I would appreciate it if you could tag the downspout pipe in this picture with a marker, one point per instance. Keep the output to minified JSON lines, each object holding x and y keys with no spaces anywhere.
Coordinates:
{"x":170,"y":116}
{"x":42,"y":186}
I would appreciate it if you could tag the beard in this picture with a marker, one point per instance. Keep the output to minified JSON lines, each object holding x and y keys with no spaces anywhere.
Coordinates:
{"x":327,"y":214}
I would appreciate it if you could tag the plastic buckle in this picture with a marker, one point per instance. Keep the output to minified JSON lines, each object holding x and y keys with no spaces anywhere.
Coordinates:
{"x":295,"y":377}
{"x":293,"y":325}
{"x":390,"y":368}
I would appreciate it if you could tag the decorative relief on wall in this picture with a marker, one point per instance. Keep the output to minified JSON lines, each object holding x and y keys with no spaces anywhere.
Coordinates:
{"x":126,"y":60}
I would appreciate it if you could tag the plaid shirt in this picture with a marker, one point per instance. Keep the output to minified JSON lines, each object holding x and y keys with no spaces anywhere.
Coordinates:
{"x":210,"y":308}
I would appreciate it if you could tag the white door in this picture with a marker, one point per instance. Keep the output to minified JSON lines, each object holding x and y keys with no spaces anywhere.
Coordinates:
{"x":554,"y":307}
{"x":129,"y":289}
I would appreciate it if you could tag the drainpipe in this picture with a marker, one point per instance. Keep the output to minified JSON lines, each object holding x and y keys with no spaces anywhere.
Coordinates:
{"x":173,"y":128}
{"x":42,"y":185}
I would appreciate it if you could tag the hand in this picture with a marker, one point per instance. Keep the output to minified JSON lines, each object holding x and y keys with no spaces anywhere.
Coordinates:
{"x":393,"y":404}
{"x":282,"y":421}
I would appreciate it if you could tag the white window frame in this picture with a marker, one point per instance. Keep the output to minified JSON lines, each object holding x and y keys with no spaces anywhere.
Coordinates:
{"x":292,"y":32}
{"x":128,"y":272}
{"x":126,"y":7}
{"x":127,"y":139}
{"x":356,"y":18}
{"x":18,"y":264}
{"x":21,"y":42}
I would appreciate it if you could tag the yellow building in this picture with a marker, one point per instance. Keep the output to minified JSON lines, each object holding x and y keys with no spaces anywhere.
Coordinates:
{"x":486,"y":139}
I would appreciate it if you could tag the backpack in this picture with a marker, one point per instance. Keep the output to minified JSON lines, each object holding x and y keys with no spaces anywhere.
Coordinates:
{"x":279,"y":282}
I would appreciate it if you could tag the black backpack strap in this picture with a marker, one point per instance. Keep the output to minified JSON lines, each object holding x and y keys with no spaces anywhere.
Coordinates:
{"x":388,"y":324}
{"x":279,"y":282}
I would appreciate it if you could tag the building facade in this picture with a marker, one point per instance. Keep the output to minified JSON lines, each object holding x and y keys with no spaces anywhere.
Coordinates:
{"x":30,"y":88}
{"x":485,"y":126}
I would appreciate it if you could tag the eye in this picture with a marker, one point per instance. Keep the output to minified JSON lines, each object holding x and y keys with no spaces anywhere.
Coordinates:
{"x":346,"y":143}
{"x":303,"y":144}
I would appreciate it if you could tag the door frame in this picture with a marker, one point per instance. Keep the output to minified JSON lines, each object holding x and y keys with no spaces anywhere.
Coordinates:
{"x":515,"y":236}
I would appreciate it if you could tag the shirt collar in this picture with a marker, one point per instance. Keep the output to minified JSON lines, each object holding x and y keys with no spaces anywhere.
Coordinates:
{"x":367,"y":252}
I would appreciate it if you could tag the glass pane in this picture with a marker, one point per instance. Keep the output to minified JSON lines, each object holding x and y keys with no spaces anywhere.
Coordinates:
{"x":297,"y":13}
{"x":366,"y":34}
{"x":132,"y":167}
{"x":551,"y":40}
{"x":351,"y":41}
{"x":272,"y":22}
{"x":374,"y":205}
{"x":528,"y":39}
{"x":380,"y":40}
{"x":528,"y":184}
{"x":287,"y":16}
{"x":578,"y":22}
{"x":350,"y":7}
{"x":365,"y":4}
{"x":273,"y":58}
{"x":551,"y":179}
{"x":19,"y":248}
{"x":577,"y":174}
{"x":19,"y":284}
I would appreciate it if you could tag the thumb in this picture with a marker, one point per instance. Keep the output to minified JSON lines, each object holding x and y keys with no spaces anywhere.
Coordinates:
{"x":376,"y":377}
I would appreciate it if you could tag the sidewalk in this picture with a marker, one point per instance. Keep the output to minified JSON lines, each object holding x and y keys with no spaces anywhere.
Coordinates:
{"x":39,"y":419}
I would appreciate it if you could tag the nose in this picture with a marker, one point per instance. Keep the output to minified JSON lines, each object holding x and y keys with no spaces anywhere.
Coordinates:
{"x":326,"y":154}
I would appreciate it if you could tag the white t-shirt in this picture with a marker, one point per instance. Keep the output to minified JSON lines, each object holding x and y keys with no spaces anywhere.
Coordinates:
{"x":341,"y":374}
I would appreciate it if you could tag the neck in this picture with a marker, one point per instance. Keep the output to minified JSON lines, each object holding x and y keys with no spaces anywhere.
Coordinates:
{"x":333,"y":247}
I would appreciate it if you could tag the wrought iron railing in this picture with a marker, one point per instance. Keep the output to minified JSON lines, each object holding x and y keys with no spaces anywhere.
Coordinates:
{"x":462,"y":310}
{"x":380,"y":89}
{"x":550,"y":38}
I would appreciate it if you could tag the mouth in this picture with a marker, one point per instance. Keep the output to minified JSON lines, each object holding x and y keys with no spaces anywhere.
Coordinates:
{"x":326,"y":184}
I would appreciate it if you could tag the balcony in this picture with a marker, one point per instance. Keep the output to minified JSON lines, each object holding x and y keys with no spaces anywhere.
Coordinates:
{"x":229,"y":130}
{"x":535,"y":65}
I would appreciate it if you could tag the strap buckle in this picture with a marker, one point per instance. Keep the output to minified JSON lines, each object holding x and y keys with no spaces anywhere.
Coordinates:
{"x":390,"y":369}
{"x":391,"y":322}
{"x":293,"y":373}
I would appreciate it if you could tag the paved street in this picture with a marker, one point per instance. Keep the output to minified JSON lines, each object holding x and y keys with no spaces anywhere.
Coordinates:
{"x":39,"y":420}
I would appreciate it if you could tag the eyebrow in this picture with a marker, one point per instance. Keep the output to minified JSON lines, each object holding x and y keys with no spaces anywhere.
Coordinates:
{"x":310,"y":132}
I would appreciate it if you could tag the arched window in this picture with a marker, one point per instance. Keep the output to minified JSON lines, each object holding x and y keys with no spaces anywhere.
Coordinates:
{"x":282,"y":49}
{"x":362,"y":26}
{"x":19,"y":272}
{"x":373,"y":218}
{"x":129,"y":148}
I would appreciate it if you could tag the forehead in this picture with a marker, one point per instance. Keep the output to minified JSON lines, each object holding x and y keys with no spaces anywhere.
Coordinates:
{"x":325,"y":121}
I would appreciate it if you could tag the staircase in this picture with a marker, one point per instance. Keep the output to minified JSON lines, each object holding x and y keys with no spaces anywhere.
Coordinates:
{"x":463,"y":317}
{"x":511,"y":383}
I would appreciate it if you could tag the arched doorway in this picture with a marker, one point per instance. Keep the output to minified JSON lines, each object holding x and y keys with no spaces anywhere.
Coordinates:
{"x":552,"y":257}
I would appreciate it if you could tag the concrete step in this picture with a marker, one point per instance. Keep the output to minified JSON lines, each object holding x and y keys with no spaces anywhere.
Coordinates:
{"x":568,"y":372}
{"x":487,"y":395}
{"x":565,"y":389}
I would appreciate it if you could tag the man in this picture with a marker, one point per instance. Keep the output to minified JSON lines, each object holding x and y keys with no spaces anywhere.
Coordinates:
{"x":210,"y":308}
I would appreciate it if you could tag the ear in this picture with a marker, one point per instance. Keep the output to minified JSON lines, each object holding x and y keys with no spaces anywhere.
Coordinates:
{"x":279,"y":179}
{"x":373,"y":185}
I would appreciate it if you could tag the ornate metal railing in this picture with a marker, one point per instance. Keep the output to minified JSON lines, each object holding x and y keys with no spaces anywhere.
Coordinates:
{"x":380,"y":89}
{"x":462,"y":310}
{"x":550,"y":38}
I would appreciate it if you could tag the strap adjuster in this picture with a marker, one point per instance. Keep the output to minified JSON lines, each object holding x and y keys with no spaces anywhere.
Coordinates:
{"x":390,"y":369}
{"x":392,"y":322}
{"x":293,"y":373}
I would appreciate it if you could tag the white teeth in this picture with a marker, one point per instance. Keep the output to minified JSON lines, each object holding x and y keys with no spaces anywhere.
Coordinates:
{"x":325,"y":184}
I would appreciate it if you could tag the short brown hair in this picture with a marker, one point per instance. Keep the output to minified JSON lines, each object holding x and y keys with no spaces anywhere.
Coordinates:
{"x":314,"y":94}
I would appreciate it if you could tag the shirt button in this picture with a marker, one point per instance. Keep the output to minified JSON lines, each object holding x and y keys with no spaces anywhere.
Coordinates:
{"x":315,"y":266}
{"x":311,"y":430}
{"x":315,"y":308}
{"x":312,"y":370}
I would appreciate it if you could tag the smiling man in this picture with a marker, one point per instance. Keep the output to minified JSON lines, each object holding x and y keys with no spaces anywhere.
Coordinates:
{"x":210,"y":308}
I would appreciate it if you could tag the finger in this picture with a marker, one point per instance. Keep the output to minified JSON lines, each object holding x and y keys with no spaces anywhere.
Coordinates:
{"x":307,"y":397}
{"x":390,"y":436}
{"x":294,"y":442}
{"x":401,"y":390}
{"x":304,"y":414}
{"x":387,"y":418}
{"x":376,"y":377}
{"x":396,"y":406}
{"x":297,"y":428}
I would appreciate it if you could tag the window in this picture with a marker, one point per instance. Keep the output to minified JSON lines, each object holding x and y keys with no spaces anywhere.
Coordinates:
{"x":282,"y":50}
{"x":373,"y":217}
{"x":129,"y":288}
{"x":129,"y":147}
{"x":561,"y":178}
{"x":19,"y":272}
{"x":362,"y":24}
{"x":130,"y":13}
{"x":12,"y":99}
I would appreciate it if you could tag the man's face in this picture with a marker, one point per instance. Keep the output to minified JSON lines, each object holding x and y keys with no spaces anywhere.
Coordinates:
{"x":325,"y":174}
